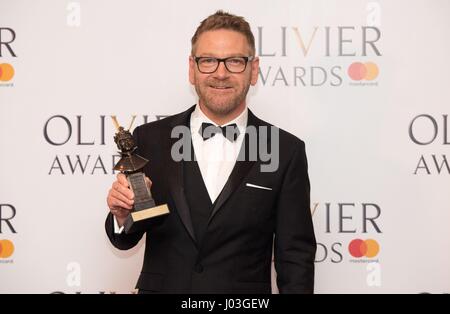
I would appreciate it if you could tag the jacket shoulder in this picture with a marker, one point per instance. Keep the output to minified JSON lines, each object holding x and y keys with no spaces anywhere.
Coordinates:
{"x":286,"y":138}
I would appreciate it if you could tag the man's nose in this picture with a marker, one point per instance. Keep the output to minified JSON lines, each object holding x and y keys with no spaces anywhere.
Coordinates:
{"x":221,"y":71}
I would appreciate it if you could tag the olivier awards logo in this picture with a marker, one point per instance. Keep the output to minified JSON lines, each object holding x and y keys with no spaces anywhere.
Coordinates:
{"x":321,"y":55}
{"x":79,"y":145}
{"x":431,"y":134}
{"x":340,"y":224}
{"x":350,"y":233}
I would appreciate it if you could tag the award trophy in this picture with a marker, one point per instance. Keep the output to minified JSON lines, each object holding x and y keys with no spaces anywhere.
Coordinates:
{"x":131,"y":164}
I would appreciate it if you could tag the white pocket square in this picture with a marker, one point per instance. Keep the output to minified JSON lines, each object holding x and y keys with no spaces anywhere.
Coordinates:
{"x":258,"y":186}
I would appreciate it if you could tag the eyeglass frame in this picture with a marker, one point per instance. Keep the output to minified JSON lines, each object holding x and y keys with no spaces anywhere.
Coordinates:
{"x":224,"y":60}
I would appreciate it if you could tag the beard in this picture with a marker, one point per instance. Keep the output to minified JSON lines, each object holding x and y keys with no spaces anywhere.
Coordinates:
{"x":224,"y":100}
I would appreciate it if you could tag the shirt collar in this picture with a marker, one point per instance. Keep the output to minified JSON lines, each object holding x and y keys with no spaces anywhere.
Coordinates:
{"x":198,"y":117}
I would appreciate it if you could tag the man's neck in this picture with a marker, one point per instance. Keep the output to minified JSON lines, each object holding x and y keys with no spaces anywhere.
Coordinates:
{"x":222,"y":119}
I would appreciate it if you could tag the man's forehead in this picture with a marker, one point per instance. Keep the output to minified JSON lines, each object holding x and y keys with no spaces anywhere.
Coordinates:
{"x":221,"y":37}
{"x":222,"y":43}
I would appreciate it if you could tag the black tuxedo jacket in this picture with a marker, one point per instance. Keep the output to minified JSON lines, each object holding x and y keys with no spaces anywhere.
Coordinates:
{"x":246,"y":224}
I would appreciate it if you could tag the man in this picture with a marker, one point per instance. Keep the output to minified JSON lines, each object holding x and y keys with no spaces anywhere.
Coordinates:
{"x":227,"y":214}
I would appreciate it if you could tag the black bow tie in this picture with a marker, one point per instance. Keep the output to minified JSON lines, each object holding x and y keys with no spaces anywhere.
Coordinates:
{"x":208,"y":130}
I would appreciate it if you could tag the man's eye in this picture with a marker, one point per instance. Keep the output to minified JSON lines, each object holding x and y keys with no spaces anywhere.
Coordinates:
{"x":208,"y":61}
{"x":236,"y":61}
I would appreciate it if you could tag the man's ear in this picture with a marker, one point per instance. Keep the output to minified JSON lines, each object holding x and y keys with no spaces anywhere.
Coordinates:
{"x":191,"y":70}
{"x":255,"y":71}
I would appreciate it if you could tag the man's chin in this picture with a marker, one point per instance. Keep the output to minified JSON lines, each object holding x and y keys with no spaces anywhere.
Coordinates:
{"x":219,"y":108}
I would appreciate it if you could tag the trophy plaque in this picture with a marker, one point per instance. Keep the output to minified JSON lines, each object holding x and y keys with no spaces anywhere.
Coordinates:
{"x":131,"y":164}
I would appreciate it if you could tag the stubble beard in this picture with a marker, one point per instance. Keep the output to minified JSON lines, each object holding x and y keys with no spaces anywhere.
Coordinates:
{"x":221,"y":105}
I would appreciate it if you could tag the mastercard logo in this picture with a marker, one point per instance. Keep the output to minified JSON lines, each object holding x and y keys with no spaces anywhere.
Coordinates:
{"x":6,"y":72}
{"x":6,"y":248}
{"x":363,"y":71}
{"x":367,"y":248}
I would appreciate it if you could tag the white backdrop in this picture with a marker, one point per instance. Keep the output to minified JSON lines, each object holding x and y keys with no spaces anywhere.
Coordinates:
{"x":78,"y":62}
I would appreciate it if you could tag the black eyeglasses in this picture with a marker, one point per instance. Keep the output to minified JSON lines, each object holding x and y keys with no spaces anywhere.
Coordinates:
{"x":208,"y":65}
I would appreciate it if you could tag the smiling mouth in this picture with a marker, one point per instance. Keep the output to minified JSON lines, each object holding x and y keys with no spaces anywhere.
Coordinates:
{"x":220,"y":87}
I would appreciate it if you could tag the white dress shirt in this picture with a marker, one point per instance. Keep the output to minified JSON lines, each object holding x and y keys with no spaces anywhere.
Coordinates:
{"x":215,"y":156}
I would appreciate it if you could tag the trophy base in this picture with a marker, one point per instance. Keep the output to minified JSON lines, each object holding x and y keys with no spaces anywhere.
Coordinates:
{"x":138,"y":220}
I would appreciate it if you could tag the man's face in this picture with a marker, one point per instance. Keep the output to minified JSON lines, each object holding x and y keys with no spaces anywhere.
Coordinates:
{"x":222,"y":92}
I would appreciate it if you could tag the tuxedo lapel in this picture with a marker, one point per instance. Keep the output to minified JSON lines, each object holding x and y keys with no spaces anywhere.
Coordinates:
{"x":240,"y":170}
{"x":175,"y":173}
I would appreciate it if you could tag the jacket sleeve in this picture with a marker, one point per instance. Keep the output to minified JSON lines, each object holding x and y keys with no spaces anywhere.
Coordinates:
{"x":121,"y":241}
{"x":295,"y":243}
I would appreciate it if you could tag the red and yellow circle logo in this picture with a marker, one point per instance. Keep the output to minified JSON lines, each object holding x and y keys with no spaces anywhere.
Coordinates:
{"x":6,"y":72}
{"x":6,"y":248}
{"x":363,"y":71}
{"x":368,"y":248}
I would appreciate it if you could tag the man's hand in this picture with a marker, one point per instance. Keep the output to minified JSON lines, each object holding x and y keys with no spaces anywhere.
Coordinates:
{"x":121,"y":199}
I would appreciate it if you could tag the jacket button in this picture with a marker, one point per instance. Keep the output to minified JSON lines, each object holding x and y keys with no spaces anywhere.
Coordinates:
{"x":198,"y":268}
